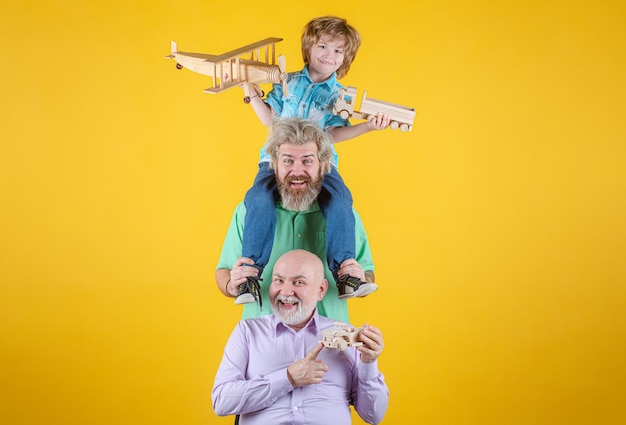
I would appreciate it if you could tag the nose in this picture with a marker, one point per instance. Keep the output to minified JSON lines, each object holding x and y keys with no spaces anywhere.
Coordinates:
{"x":286,"y":289}
{"x":296,"y":169}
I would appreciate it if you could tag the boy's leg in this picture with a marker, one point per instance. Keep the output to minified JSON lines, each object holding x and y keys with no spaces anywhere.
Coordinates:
{"x":336,"y":204}
{"x":258,"y":230}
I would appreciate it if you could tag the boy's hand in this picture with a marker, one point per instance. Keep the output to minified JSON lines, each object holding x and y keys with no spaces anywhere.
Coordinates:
{"x":379,"y":122}
{"x":251,"y":89}
{"x":246,"y":88}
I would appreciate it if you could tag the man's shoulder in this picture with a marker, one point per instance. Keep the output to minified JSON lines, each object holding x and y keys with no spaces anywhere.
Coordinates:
{"x":239,"y":208}
{"x":257,"y":322}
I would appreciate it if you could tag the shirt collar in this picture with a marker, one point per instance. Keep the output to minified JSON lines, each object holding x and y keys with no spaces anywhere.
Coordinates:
{"x":330,"y":81}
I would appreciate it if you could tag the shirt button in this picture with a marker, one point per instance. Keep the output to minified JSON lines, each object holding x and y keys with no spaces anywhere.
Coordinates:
{"x":299,"y":235}
{"x":295,"y":408}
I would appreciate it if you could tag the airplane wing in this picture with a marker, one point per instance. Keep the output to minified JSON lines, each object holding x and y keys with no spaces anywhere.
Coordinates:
{"x":249,"y":49}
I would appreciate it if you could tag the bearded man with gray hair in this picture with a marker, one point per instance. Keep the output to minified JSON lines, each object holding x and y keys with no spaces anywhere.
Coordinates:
{"x":300,"y":156}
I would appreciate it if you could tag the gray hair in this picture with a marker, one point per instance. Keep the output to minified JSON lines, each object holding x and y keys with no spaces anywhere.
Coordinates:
{"x":299,"y":131}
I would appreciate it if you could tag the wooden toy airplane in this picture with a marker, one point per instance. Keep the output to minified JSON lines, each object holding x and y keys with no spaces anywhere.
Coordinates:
{"x":231,"y":69}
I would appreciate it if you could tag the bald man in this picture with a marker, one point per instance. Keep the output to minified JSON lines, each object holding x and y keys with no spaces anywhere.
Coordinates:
{"x":276,"y":370}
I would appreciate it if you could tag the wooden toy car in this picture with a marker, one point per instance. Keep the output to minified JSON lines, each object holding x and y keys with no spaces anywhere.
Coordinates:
{"x":402,"y":117}
{"x":342,"y":337}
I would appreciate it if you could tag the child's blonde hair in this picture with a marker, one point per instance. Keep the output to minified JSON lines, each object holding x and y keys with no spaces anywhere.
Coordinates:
{"x":336,"y":28}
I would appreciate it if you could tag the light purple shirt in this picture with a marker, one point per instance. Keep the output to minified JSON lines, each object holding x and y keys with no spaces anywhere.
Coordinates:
{"x":252,"y":378}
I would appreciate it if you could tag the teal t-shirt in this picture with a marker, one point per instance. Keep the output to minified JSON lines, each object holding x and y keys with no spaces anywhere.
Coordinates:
{"x":295,"y":230}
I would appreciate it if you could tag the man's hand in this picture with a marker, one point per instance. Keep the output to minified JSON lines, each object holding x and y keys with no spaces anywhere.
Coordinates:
{"x":352,"y":268}
{"x":373,"y":343}
{"x":239,"y":272}
{"x":309,"y":370}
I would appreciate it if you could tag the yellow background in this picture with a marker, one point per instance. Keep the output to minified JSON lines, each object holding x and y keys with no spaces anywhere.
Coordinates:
{"x":497,"y":225}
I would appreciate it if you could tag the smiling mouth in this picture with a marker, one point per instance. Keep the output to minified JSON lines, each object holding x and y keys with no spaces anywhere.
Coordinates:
{"x":297,"y":184}
{"x":288,"y":305}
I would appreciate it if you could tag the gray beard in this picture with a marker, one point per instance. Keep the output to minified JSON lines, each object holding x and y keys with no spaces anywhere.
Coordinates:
{"x":299,"y":200}
{"x":302,"y":313}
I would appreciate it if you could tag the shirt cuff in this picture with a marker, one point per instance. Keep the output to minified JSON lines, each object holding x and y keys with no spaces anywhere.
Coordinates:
{"x":279,"y":382}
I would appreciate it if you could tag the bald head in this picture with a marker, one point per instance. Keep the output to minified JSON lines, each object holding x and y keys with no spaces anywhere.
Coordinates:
{"x":300,"y":259}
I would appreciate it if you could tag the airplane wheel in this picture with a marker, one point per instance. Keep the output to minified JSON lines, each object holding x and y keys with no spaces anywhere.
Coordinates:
{"x":179,"y":66}
{"x":404,"y":127}
{"x":394,"y":125}
{"x":344,"y":114}
{"x":342,"y":345}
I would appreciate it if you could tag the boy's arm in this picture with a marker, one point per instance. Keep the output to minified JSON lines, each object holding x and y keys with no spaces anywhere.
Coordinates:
{"x":339,"y":134}
{"x":262,"y":110}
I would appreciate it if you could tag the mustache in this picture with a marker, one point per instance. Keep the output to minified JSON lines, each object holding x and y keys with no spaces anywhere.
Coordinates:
{"x":303,"y":177}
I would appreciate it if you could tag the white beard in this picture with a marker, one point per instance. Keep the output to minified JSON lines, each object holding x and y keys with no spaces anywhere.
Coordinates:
{"x":292,"y":317}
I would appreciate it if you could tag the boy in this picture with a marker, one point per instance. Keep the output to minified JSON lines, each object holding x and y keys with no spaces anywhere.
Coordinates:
{"x":329,"y":45}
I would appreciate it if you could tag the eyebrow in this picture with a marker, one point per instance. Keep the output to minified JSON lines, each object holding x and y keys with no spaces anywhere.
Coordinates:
{"x":299,"y":276}
{"x":288,"y":155}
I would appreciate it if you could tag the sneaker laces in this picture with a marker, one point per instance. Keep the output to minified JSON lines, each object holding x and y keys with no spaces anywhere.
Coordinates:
{"x":253,"y":287}
{"x":347,"y":280}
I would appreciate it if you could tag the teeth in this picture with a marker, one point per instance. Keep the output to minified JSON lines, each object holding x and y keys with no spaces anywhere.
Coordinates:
{"x":287,"y":302}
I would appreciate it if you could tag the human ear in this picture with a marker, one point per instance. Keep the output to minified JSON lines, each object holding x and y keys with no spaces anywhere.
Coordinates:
{"x":323,"y":289}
